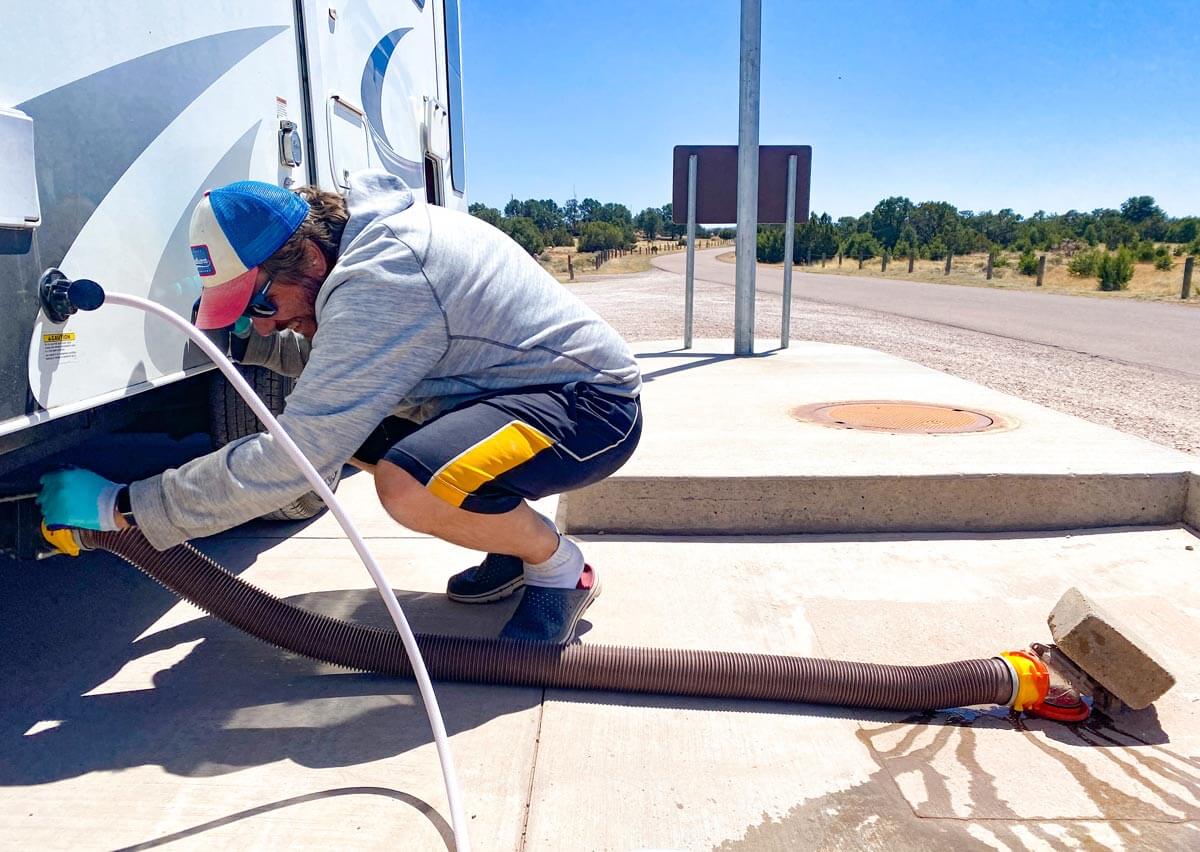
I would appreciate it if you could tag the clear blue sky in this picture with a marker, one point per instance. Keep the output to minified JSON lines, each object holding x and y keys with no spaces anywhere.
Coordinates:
{"x":1051,"y":105}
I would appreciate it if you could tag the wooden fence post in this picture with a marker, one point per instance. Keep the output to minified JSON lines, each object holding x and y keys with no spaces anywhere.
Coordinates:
{"x":911,"y":256}
{"x":839,"y":257}
{"x":1187,"y":277}
{"x":570,"y":268}
{"x":860,"y":257}
{"x":1041,"y":269}
{"x":991,"y":257}
{"x":949,"y":258}
{"x":883,"y":262}
{"x":808,"y":262}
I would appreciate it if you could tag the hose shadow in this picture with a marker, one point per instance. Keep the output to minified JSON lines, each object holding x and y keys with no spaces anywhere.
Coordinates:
{"x":445,"y":831}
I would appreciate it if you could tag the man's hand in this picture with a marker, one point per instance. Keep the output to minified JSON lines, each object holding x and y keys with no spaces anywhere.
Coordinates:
{"x":79,"y":498}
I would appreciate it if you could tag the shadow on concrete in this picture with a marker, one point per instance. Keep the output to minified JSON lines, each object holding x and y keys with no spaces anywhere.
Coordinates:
{"x":703,"y":359}
{"x":220,"y":700}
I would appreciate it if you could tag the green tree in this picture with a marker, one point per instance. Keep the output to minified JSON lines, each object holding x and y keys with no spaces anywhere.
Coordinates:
{"x":1183,"y":230}
{"x":889,"y":218}
{"x":588,"y":208}
{"x":933,"y":218}
{"x":650,"y":221}
{"x":488,"y":214}
{"x":571,"y":214}
{"x":525,"y":233}
{"x":1140,"y":208}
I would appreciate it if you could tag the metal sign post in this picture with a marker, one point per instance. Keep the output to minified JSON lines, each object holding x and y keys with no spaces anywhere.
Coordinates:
{"x":789,"y":247}
{"x":689,"y":288}
{"x":747,"y":188}
{"x":784,"y":179}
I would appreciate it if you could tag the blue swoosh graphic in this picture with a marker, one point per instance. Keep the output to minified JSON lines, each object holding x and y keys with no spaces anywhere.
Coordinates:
{"x":371,"y":92}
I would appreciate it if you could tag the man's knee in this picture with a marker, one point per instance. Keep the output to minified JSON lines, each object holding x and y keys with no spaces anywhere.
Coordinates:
{"x":404,"y":498}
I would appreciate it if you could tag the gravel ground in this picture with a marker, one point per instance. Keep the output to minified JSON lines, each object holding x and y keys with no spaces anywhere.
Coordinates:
{"x":1160,"y":406}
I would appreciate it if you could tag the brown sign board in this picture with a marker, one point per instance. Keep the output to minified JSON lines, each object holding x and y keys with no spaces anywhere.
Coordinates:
{"x":717,"y":177}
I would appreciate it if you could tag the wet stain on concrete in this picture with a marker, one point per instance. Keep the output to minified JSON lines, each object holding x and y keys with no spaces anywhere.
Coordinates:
{"x":877,"y":815}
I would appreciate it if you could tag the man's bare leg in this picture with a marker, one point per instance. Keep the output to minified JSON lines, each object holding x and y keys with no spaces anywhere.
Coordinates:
{"x":521,"y":532}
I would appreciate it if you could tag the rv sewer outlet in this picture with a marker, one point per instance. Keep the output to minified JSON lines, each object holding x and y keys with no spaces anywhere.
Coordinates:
{"x":918,"y":418}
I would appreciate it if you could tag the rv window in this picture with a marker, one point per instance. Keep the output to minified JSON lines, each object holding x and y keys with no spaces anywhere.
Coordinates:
{"x":458,"y":174}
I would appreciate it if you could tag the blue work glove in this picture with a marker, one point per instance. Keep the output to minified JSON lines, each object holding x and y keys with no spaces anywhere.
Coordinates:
{"x":78,"y":498}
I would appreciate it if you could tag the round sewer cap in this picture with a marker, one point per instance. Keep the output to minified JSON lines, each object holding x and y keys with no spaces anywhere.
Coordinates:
{"x":917,"y":418}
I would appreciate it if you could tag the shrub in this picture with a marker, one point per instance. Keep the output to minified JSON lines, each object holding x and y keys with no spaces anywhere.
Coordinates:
{"x":770,"y":245}
{"x":1163,"y":262}
{"x":1178,"y":251}
{"x":597,"y":236}
{"x":1084,"y":263}
{"x":559,"y":237}
{"x":866,"y":243}
{"x":1115,"y":269}
{"x":524,"y":232}
{"x":936,"y":250}
{"x":1145,"y":252}
{"x":1028,"y":262}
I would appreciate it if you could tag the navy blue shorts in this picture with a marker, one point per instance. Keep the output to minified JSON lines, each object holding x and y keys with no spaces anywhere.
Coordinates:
{"x":489,"y":454}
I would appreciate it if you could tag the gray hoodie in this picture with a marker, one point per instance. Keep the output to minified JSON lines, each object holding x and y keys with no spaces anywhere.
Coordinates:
{"x":425,"y":308}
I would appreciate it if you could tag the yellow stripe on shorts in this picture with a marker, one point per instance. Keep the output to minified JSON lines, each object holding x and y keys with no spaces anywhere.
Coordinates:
{"x":496,"y":454}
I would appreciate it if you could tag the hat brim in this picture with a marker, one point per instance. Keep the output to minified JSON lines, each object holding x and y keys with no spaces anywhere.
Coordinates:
{"x":222,"y":305}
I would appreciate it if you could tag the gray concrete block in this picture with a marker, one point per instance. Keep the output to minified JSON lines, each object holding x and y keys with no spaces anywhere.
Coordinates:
{"x":1191,"y":511}
{"x":1111,"y":652}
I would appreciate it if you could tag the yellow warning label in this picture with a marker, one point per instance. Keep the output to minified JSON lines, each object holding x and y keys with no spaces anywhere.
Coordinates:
{"x":60,"y":346}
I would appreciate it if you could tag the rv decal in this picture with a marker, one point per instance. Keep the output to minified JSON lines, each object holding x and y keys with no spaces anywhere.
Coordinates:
{"x":141,"y":97}
{"x":371,"y":92}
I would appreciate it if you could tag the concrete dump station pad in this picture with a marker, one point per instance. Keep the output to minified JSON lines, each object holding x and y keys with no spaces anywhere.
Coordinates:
{"x":735,"y":527}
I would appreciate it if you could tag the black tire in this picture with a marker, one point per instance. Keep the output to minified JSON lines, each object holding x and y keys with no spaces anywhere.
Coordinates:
{"x":230,"y":418}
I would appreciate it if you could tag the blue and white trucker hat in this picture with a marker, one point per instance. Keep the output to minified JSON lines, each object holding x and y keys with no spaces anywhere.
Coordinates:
{"x":234,"y":229}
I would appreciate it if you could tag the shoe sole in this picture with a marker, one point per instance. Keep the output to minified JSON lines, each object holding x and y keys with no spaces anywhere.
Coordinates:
{"x":595,"y":593}
{"x":497,"y":594}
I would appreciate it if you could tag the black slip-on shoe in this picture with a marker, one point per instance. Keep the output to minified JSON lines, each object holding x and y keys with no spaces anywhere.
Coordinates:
{"x":494,"y":579}
{"x":551,"y":615}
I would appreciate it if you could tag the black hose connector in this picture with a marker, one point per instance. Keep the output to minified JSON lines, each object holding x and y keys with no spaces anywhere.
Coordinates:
{"x":712,"y":674}
{"x":61,"y":297}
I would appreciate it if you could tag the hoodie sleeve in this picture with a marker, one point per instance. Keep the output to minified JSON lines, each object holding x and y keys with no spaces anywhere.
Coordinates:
{"x":381,"y":330}
{"x":284,"y":352}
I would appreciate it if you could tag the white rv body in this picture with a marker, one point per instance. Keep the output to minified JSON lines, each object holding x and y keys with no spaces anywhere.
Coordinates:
{"x":140,"y":107}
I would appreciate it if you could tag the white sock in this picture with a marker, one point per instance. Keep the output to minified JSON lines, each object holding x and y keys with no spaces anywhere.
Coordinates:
{"x":561,"y":571}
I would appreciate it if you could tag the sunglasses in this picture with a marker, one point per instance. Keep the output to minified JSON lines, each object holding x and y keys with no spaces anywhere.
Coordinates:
{"x":260,"y":306}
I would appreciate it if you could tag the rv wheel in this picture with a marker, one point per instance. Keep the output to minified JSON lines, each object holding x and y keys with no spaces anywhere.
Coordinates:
{"x":230,"y":418}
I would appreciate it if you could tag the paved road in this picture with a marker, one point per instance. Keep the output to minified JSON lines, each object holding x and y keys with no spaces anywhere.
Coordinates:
{"x":1157,"y":335}
{"x":1155,"y":402}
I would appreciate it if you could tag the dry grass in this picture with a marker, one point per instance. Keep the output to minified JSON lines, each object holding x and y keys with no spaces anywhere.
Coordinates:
{"x":1148,"y":283}
{"x":554,"y":260}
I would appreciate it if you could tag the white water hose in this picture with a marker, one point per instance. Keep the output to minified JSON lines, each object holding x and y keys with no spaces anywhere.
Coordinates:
{"x":462,"y":842}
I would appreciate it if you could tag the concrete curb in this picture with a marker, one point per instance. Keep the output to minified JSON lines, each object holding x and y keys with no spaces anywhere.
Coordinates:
{"x":784,"y":506}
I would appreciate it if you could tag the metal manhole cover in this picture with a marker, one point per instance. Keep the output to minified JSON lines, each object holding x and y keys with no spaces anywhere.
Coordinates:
{"x":917,"y":418}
